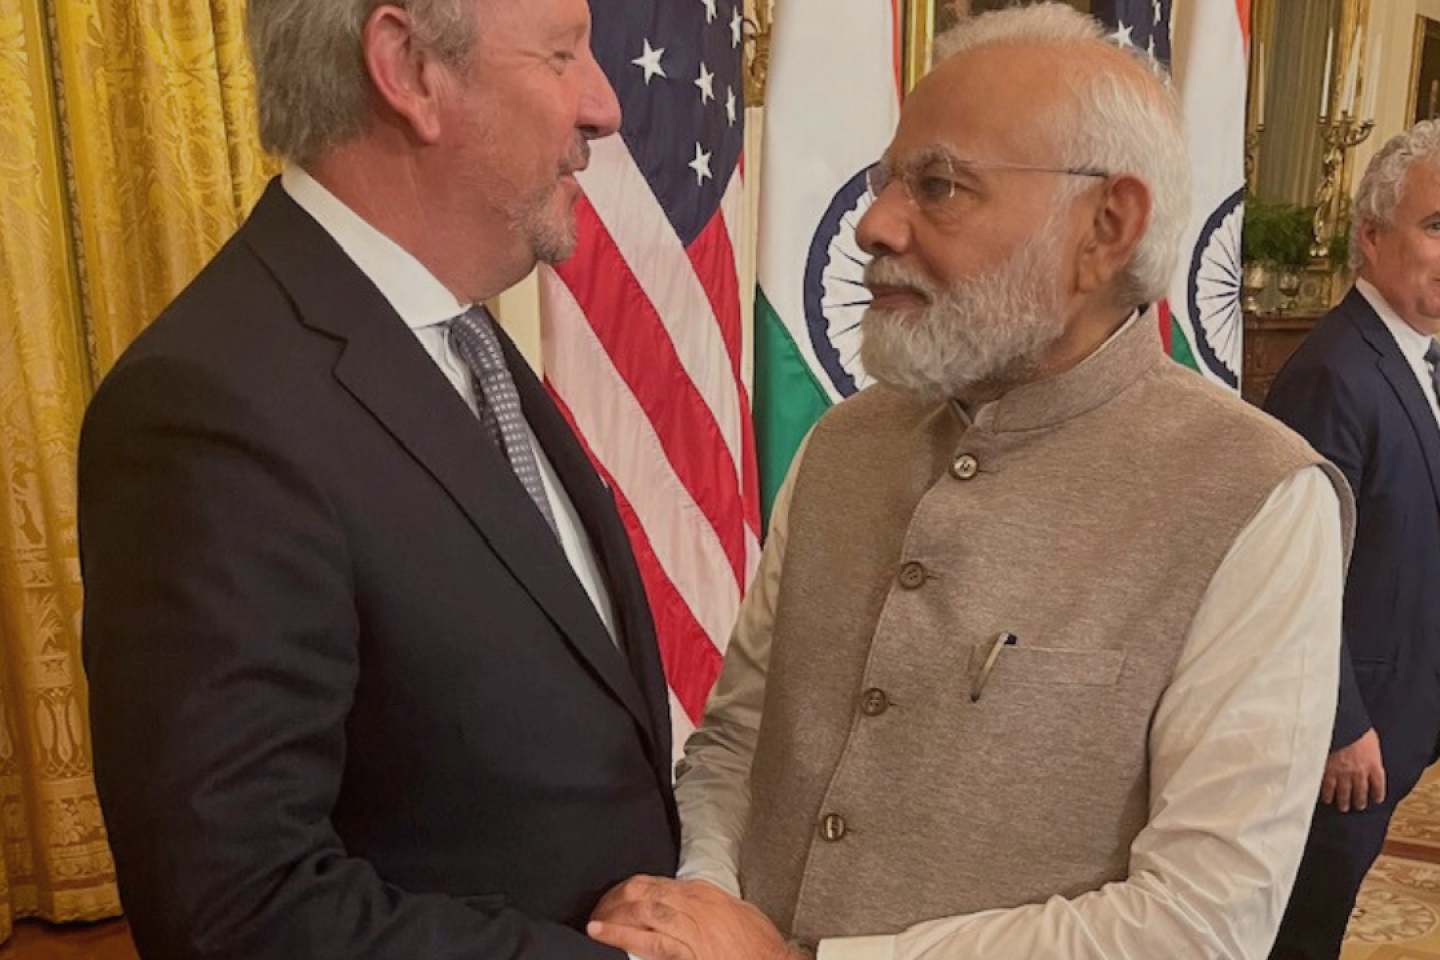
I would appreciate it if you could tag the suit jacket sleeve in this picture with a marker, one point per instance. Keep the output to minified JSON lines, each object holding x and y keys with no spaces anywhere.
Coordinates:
{"x":1318,"y":404}
{"x":221,"y":642}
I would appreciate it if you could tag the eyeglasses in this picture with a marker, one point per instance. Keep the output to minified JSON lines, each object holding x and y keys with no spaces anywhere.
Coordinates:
{"x":932,"y":181}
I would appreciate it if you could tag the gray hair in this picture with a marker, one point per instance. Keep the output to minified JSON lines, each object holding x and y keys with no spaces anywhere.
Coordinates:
{"x":1121,"y":122}
{"x":1384,"y":181}
{"x":311,"y":84}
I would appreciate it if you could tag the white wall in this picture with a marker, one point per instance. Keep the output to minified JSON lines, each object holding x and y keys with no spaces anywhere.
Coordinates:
{"x":1395,"y":19}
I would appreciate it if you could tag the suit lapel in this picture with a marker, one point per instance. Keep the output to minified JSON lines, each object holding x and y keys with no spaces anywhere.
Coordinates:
{"x":596,"y":508}
{"x":386,"y":369}
{"x":1401,"y":377}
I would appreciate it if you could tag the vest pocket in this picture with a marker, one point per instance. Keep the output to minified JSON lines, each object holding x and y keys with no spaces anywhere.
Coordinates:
{"x":1018,"y":663}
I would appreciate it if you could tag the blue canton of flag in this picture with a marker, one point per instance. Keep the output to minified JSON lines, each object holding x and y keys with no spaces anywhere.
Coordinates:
{"x":676,"y":67}
{"x":1144,"y":24}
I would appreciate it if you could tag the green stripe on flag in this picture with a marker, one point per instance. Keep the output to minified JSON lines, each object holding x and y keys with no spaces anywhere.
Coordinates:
{"x":1180,"y":350}
{"x":788,"y":400}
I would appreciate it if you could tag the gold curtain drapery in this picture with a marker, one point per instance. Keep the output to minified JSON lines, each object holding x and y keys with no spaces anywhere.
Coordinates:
{"x":127,"y":156}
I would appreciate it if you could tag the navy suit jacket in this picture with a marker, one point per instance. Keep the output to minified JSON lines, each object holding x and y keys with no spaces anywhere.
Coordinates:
{"x":349,"y":699}
{"x":1350,"y":392}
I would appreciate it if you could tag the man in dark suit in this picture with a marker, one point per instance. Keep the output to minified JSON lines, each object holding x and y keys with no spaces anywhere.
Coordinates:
{"x":372,"y":672}
{"x":1362,"y":390}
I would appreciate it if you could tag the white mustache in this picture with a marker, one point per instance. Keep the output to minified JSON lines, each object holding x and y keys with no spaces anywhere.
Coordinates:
{"x":884,"y":272}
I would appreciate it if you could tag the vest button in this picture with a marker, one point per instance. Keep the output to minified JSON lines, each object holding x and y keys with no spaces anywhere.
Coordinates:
{"x":873,"y":702}
{"x":833,"y":827}
{"x":912,"y":575}
{"x":965,"y":467}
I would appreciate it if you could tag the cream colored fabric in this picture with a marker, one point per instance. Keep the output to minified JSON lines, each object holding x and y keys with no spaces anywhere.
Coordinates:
{"x":128,"y":156}
{"x":934,"y":832}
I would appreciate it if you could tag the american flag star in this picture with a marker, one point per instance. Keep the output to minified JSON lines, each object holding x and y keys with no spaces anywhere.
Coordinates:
{"x":1141,"y":24}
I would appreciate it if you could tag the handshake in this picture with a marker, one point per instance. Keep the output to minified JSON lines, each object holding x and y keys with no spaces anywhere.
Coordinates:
{"x":659,"y":919}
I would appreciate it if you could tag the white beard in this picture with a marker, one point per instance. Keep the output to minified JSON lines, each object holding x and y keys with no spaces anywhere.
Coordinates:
{"x":994,"y":328}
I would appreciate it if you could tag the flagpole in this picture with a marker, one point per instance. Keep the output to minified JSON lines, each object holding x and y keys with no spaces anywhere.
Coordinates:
{"x":919,"y":36}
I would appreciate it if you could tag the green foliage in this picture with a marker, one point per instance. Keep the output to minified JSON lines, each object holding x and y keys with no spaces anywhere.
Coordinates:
{"x":1340,"y":246}
{"x":1277,"y":234}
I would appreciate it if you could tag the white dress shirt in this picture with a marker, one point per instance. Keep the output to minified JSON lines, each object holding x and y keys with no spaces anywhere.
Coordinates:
{"x":427,"y":306}
{"x":1412,"y":343}
{"x":1236,"y":751}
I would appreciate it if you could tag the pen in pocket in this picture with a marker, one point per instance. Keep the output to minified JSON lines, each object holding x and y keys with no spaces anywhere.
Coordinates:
{"x":1000,"y":642}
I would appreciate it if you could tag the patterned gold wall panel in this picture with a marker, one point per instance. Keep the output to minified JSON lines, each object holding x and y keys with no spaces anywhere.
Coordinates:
{"x":55,"y":860}
{"x":159,"y":128}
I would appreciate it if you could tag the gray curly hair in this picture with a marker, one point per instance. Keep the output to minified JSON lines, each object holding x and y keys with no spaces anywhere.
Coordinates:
{"x":1384,"y":180}
{"x":1120,"y":121}
{"x":311,"y":85}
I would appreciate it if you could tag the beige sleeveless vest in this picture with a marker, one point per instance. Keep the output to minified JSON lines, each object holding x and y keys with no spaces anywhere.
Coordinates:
{"x":1084,"y":516}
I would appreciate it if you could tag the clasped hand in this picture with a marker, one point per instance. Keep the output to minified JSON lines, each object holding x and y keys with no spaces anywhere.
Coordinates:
{"x":658,"y":919}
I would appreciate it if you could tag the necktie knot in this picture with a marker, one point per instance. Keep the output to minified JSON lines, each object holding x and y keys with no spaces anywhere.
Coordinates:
{"x":1432,"y":356}
{"x":473,"y":335}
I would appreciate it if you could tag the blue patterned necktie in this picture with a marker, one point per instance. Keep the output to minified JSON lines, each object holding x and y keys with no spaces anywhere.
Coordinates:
{"x":473,"y":336}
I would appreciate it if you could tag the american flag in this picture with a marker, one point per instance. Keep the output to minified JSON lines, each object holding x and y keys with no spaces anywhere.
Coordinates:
{"x":1143,"y":24}
{"x":641,"y":329}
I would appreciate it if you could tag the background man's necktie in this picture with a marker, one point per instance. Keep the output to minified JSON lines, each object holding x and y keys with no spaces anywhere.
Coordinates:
{"x":1432,"y":357}
{"x":474,"y":338}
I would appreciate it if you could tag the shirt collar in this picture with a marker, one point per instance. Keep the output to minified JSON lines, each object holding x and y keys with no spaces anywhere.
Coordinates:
{"x":1412,"y":343}
{"x":418,"y":297}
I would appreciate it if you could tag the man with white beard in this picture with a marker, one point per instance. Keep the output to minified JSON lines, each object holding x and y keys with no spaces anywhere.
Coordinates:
{"x":1042,"y":657}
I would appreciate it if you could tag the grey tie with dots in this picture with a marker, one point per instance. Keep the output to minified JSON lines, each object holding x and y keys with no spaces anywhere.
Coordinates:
{"x":473,"y":336}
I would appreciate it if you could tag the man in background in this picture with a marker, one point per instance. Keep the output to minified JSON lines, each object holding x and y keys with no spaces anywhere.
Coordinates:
{"x":371,"y":668}
{"x":1042,"y":655}
{"x":1361,"y":388}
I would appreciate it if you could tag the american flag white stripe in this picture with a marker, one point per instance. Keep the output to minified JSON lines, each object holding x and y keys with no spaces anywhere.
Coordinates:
{"x":684,"y":541}
{"x":623,"y":199}
{"x":732,"y":207}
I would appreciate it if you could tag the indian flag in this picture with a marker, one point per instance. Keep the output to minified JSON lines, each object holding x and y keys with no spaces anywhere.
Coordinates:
{"x":832,"y":102}
{"x":1211,"y":41}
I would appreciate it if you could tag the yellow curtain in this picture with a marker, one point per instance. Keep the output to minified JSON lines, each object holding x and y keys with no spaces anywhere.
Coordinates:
{"x":127,"y":156}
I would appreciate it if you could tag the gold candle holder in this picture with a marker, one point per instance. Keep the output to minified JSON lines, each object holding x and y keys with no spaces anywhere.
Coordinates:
{"x":757,"y":53}
{"x":1339,"y":135}
{"x":1252,"y":156}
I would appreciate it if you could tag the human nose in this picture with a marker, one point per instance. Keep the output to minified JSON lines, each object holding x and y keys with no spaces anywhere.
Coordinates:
{"x":600,"y":113}
{"x":884,"y":230}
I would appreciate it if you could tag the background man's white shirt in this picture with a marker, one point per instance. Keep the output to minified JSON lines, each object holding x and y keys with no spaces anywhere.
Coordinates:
{"x":1412,"y":343}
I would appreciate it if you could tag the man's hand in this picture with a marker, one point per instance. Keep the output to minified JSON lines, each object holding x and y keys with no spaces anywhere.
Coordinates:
{"x":660,"y":919}
{"x":1355,"y":775}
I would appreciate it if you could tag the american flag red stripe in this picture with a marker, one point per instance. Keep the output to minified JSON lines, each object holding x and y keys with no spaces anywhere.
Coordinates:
{"x":714,"y":260}
{"x":629,"y":327}
{"x":687,"y":653}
